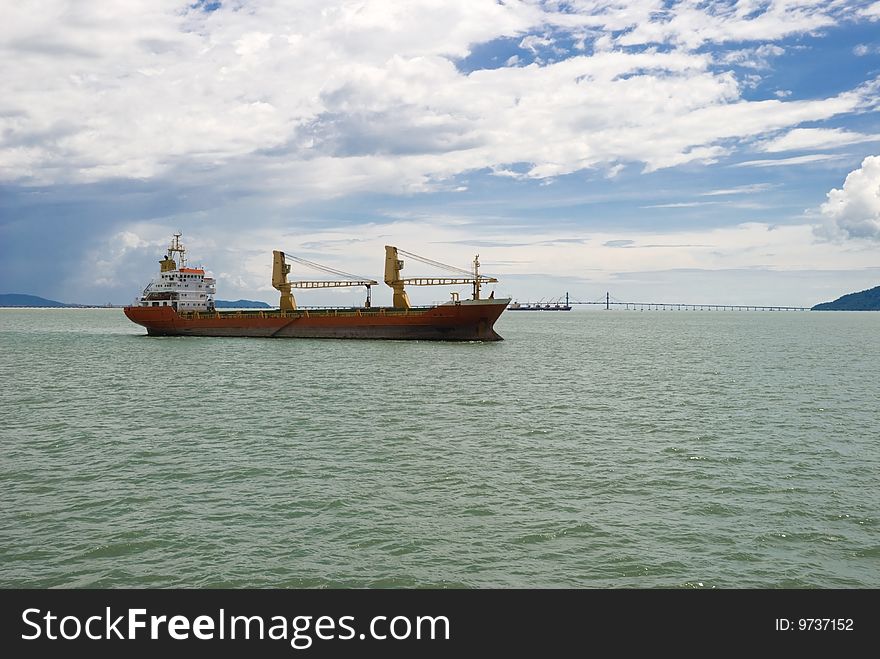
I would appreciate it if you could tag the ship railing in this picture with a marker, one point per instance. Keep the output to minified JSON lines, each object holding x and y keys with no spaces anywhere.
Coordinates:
{"x":365,"y":309}
{"x":302,"y":312}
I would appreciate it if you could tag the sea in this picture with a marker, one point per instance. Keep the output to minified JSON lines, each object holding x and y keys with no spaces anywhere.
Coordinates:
{"x":590,"y":449}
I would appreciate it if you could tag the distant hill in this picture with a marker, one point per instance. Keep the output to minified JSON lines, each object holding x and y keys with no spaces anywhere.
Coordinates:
{"x":241,"y":304}
{"x":20,"y":300}
{"x":868,"y":300}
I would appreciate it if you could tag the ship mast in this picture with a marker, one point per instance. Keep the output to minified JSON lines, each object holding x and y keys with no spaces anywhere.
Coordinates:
{"x":176,"y":247}
{"x":393,"y":266}
{"x":477,"y":277}
{"x":281,"y":269}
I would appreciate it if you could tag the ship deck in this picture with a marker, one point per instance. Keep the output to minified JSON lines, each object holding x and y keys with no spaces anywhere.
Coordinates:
{"x":305,"y":312}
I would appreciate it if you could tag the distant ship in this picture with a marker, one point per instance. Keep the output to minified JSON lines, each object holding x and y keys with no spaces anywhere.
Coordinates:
{"x":540,"y":306}
{"x":180,"y":302}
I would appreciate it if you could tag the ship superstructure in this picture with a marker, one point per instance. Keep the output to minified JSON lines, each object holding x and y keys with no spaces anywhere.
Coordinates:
{"x":178,"y":286}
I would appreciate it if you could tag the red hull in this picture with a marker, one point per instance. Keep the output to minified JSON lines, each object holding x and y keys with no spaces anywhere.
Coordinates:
{"x":466,"y":321}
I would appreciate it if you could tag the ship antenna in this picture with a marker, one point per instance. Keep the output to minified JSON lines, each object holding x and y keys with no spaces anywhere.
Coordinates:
{"x":477,"y":277}
{"x":177,"y":246}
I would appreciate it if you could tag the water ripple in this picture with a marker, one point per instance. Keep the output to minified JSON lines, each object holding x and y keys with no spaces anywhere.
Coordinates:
{"x":588,"y":450}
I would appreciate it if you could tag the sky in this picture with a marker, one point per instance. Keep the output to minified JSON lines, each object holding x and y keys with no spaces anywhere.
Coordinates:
{"x":697,"y":152}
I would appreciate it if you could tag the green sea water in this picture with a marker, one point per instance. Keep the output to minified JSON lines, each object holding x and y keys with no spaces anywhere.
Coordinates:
{"x":587,"y":450}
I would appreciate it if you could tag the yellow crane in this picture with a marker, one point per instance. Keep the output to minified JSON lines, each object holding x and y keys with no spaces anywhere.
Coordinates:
{"x":393,"y":266}
{"x":280,"y":270}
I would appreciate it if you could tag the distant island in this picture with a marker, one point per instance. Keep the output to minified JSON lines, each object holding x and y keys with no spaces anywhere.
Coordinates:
{"x":22,"y":300}
{"x":868,"y":300}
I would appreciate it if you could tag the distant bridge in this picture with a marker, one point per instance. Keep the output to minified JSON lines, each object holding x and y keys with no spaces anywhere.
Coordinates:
{"x":609,"y":302}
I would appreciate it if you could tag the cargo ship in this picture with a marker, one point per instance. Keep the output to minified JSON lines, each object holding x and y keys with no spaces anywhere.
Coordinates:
{"x":180,"y":302}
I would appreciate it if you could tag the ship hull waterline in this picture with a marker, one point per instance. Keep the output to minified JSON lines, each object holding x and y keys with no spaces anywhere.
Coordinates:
{"x":468,"y":320}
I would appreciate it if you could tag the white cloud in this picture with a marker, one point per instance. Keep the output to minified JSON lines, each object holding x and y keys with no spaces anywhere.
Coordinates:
{"x":683,"y":204}
{"x":872,"y":11}
{"x":614,"y":170}
{"x":815,"y":138}
{"x":314,"y":100}
{"x":755,"y":58}
{"x":691,"y":24}
{"x":854,"y":210}
{"x":534,"y":43}
{"x":742,"y":189}
{"x":107,"y":263}
{"x":866,"y":49}
{"x":784,"y":162}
